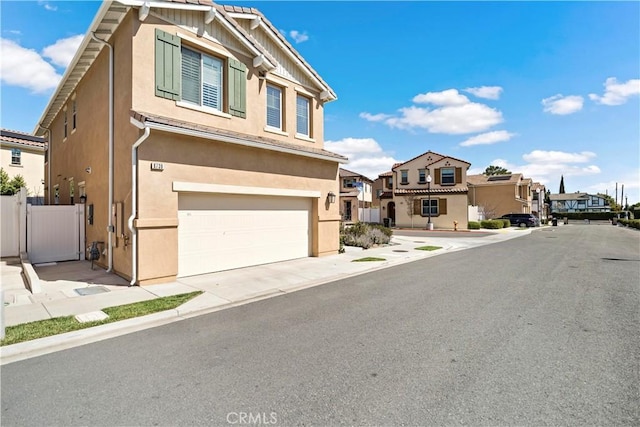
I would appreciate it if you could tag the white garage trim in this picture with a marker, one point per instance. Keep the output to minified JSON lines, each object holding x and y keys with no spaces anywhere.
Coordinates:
{"x":197,"y":187}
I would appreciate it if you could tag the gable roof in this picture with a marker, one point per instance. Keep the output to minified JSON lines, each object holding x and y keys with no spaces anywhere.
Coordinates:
{"x":16,"y":139}
{"x":168,"y":124}
{"x":570,"y":196}
{"x":108,"y":19}
{"x":344,"y":173}
{"x":440,"y":158}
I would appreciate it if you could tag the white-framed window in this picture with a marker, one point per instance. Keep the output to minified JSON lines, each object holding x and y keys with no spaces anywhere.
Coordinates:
{"x":274,"y":107}
{"x":74,"y":110}
{"x":447,"y":176}
{"x":404,"y":176}
{"x":66,"y":119}
{"x":349,"y":182}
{"x":201,"y":79}
{"x":302,"y":116}
{"x":422,"y":176}
{"x":16,"y":157}
{"x":426,"y":204}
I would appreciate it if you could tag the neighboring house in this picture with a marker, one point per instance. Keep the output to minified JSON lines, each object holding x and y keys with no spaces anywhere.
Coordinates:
{"x":578,"y":202}
{"x":408,"y":198}
{"x":23,"y":154}
{"x":497,"y":195}
{"x":538,"y":205}
{"x":355,"y":196}
{"x":212,"y":156}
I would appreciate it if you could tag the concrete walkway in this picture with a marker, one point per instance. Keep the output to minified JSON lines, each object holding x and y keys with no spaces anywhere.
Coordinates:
{"x":73,"y":288}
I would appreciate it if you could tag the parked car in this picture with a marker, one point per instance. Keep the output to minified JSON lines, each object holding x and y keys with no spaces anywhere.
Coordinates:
{"x":522,"y":219}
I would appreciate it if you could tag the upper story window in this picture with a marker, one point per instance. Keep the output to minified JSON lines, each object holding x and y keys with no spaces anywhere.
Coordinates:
{"x":390,"y":182}
{"x":74,"y":110}
{"x":16,"y":155}
{"x":447,"y":176}
{"x":404,"y":177}
{"x":274,"y":107}
{"x":422,"y":176}
{"x":349,"y":182}
{"x":196,"y":80}
{"x":65,"y":122}
{"x":302,"y":116}
{"x":201,"y":79}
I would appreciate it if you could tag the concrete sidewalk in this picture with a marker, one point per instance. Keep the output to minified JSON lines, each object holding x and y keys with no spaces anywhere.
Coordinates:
{"x":72,"y":288}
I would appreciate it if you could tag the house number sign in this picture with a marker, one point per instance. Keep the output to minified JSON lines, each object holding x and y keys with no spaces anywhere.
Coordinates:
{"x":157,"y":166}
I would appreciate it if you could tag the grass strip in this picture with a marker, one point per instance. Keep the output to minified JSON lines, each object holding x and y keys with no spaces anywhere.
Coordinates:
{"x":429,"y":248}
{"x":368,"y":259}
{"x":60,"y":325}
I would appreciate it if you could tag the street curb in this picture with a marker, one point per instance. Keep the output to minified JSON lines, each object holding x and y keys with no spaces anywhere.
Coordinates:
{"x":30,"y":275}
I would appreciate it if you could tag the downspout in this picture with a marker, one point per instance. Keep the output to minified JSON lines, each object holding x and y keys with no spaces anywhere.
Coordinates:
{"x":134,"y":203}
{"x":50,"y":152}
{"x":110,"y":228}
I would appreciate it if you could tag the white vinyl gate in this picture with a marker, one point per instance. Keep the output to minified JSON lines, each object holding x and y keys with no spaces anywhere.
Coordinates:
{"x":55,"y":233}
{"x":13,"y":217}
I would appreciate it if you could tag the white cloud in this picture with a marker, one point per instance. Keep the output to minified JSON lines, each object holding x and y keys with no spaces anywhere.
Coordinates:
{"x":453,"y":114}
{"x":446,"y":97}
{"x":298,"y":36}
{"x":62,"y":51}
{"x":455,"y":119}
{"x":617,"y":93}
{"x":540,"y":156}
{"x":365,"y":155}
{"x":562,"y":105}
{"x":488,"y":138}
{"x":47,"y":5}
{"x":374,"y":117}
{"x":488,"y":92}
{"x":26,"y":68}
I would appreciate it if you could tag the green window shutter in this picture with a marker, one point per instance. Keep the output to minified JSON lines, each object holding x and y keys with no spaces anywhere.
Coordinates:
{"x":458,"y":175}
{"x":417,"y":207}
{"x":436,"y":177}
{"x":442,"y":206}
{"x":237,"y":88}
{"x":167,"y":65}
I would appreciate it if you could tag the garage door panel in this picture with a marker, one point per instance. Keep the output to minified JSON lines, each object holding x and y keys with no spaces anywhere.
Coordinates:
{"x":221,"y":232}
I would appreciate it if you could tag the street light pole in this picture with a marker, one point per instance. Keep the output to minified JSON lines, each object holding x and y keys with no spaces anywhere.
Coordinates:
{"x":429,"y":225}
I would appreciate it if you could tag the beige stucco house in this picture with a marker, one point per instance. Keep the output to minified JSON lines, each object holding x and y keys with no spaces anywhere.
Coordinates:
{"x":195,"y":133}
{"x":355,"y":196}
{"x":497,"y":195}
{"x":23,"y":154}
{"x":428,"y":189}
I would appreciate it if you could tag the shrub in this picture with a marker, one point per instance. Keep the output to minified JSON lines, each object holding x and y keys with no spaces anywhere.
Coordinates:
{"x":505,"y":223}
{"x":633,"y":223}
{"x":492,"y":224}
{"x":473,"y":225}
{"x":365,"y":235}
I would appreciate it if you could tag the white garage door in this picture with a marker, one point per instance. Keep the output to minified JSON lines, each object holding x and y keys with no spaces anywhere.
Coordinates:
{"x":221,"y":231}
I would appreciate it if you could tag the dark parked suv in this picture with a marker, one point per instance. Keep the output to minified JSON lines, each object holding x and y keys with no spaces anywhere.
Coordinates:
{"x":522,"y":219}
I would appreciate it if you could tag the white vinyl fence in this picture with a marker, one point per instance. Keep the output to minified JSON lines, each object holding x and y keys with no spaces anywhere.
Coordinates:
{"x":369,"y":215}
{"x":55,"y":233}
{"x":13,"y":224}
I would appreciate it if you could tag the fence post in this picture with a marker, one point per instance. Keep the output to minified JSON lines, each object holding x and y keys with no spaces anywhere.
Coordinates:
{"x":1,"y":314}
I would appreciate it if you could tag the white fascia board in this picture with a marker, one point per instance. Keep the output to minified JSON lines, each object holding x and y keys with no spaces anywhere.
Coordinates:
{"x":104,"y":8}
{"x":257,"y":52}
{"x":164,"y":5}
{"x":198,"y":187}
{"x":239,"y":141}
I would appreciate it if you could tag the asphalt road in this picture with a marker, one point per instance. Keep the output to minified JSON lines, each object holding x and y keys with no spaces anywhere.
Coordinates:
{"x":538,"y":330}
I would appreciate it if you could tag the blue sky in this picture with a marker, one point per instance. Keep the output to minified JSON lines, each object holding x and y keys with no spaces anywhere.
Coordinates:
{"x":543,"y":88}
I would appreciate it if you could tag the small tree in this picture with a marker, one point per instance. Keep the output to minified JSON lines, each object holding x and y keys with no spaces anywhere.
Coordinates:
{"x":410,"y":199}
{"x":10,"y":187}
{"x":495,"y":170}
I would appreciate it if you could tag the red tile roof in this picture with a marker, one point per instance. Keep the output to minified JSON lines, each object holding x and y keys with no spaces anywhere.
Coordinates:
{"x":21,"y":138}
{"x":444,"y":190}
